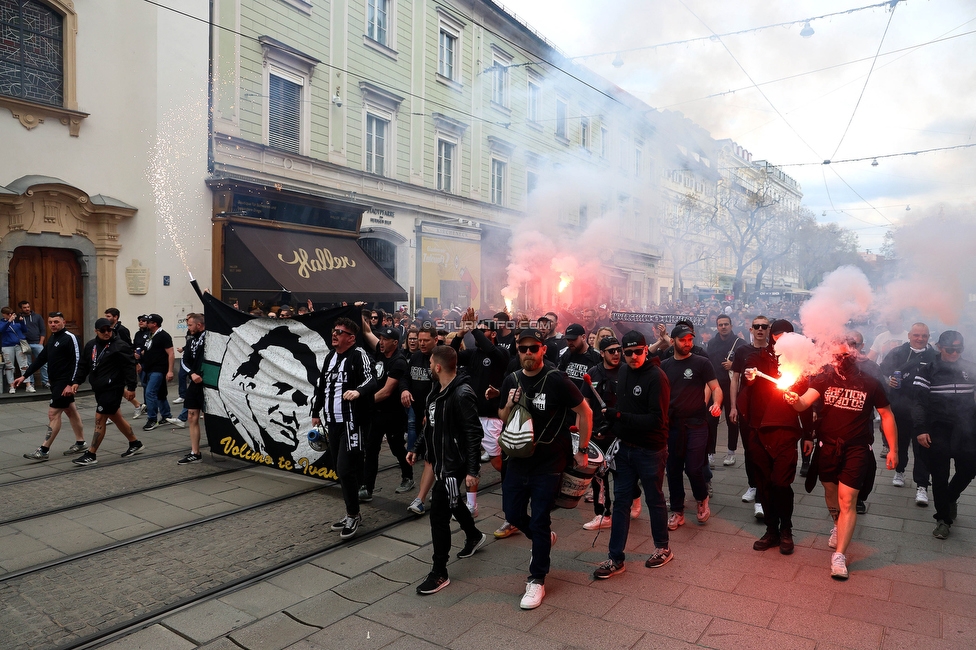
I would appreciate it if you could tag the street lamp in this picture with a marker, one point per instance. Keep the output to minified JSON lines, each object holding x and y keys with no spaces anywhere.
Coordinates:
{"x":807,"y":31}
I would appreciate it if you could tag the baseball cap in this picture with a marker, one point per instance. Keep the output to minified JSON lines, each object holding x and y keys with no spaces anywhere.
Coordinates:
{"x":574,"y":331}
{"x":155,"y":318}
{"x":143,"y":318}
{"x":949,"y":337}
{"x":681,"y":331}
{"x":632,"y":338}
{"x":607,"y":341}
{"x":779,"y":326}
{"x":388,"y":333}
{"x":102,"y":322}
{"x":532,"y":334}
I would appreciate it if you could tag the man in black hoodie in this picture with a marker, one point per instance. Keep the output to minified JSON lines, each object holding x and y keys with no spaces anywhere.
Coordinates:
{"x":450,"y":442}
{"x":107,"y":363}
{"x":640,"y":421}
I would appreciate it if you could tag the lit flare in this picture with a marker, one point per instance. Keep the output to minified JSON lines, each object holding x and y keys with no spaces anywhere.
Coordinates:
{"x":564,"y":280}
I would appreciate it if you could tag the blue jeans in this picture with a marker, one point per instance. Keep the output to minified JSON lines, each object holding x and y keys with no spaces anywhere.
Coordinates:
{"x":647,"y":466}
{"x":36,"y":349}
{"x":687,"y":453}
{"x":411,"y":428}
{"x":157,"y":407}
{"x":519,"y":493}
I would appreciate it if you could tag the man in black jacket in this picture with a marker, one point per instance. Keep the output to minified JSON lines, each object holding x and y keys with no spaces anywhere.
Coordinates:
{"x":450,"y":442}
{"x":343,"y":401}
{"x":61,"y":354}
{"x":113,"y":315}
{"x":908,"y":359}
{"x":640,"y":421}
{"x":193,"y":358}
{"x":107,"y":363}
{"x":944,"y":417}
{"x":720,"y":351}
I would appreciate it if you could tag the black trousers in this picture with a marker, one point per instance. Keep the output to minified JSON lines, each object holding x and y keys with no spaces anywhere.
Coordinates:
{"x":348,"y":465}
{"x":750,"y":439}
{"x":445,"y":493}
{"x":392,"y":426}
{"x":713,"y":422}
{"x":938,"y":457}
{"x":773,"y":453}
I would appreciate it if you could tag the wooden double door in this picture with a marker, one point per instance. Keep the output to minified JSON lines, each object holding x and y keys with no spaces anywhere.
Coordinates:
{"x":50,"y":278}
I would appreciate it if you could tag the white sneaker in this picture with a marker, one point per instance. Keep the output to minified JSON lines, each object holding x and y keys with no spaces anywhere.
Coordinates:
{"x":534,"y":593}
{"x":899,"y":479}
{"x":921,"y":497}
{"x":758,"y":511}
{"x":176,"y":422}
{"x":599,"y":522}
{"x":838,"y":566}
{"x":832,"y":542}
{"x":711,"y":461}
{"x":675,"y":519}
{"x":12,"y":390}
{"x":178,"y":400}
{"x":750,"y":495}
{"x":30,"y":388}
{"x":635,"y":509}
{"x":138,"y":412}
{"x":729,"y":459}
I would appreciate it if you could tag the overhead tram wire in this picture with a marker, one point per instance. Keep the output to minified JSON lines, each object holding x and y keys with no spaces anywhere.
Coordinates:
{"x":891,"y":17}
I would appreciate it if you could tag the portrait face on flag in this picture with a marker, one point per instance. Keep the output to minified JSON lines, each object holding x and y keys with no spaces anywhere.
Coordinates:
{"x":259,"y":380}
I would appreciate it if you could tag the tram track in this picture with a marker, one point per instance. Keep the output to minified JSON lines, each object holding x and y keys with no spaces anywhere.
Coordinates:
{"x":95,"y":468}
{"x":131,"y":581}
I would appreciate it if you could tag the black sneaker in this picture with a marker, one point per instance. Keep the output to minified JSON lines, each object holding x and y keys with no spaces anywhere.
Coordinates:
{"x":659,"y":558}
{"x":861,"y":507}
{"x":405,"y":486}
{"x":190,"y":458}
{"x":339,"y":525}
{"x":85,"y":459}
{"x":76,"y":448}
{"x":365,"y":496}
{"x":608,"y":569}
{"x":432,"y":584}
{"x":470,"y":546}
{"x":150,"y":425}
{"x":351,"y":527}
{"x":134,"y":448}
{"x":38,"y":454}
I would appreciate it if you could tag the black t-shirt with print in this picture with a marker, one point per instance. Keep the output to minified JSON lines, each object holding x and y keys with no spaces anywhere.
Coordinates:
{"x":154,"y":358}
{"x":848,"y":406}
{"x":575,"y":365}
{"x":395,"y":368}
{"x":688,"y":378}
{"x":550,"y":397}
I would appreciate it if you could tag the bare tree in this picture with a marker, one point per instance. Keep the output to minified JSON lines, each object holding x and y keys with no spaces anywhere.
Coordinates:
{"x":686,"y":238}
{"x":821,"y":248}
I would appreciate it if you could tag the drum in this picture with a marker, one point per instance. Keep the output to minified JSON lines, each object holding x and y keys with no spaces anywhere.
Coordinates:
{"x":576,"y":480}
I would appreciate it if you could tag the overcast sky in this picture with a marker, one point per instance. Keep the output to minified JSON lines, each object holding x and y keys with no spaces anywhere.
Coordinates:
{"x":919,"y":98}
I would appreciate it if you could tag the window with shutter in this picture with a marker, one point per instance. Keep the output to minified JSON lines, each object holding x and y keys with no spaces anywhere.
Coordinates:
{"x":284,"y":114}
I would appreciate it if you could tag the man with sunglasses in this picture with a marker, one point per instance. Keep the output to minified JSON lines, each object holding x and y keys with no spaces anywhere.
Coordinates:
{"x":720,"y":351}
{"x":343,"y":400}
{"x":603,"y":378}
{"x":61,"y":353}
{"x":744,"y":357}
{"x":640,"y":421}
{"x":107,"y":363}
{"x":534,"y":482}
{"x":944,"y":417}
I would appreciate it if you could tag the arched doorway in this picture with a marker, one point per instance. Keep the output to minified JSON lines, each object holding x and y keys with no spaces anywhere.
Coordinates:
{"x":50,"y":278}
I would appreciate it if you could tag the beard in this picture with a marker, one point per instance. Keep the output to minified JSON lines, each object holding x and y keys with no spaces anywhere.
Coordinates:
{"x":530,"y":363}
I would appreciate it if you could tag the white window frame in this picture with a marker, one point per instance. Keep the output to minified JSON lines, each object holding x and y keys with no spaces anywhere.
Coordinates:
{"x":604,"y":143}
{"x":452,"y":27}
{"x":389,"y":46}
{"x":585,"y":130}
{"x":502,"y":193}
{"x":449,"y":130}
{"x":452,"y":186}
{"x":384,"y":153}
{"x":300,"y":82}
{"x":638,"y":159}
{"x":500,"y":78}
{"x":384,"y":105}
{"x":533,"y":100}
{"x":529,"y":173}
{"x":288,"y":63}
{"x":562,"y":123}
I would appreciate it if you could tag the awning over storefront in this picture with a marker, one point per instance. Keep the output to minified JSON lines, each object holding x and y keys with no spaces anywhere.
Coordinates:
{"x":308,"y":264}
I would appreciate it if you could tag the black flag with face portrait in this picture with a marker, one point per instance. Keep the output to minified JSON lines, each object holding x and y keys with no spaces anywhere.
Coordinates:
{"x":259,"y":375}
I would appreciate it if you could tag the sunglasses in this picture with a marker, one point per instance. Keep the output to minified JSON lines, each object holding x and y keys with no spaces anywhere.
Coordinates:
{"x":635,"y":351}
{"x":338,"y":331}
{"x":612,"y":350}
{"x":953,"y":349}
{"x":760,"y":326}
{"x":105,"y":330}
{"x":526,"y":349}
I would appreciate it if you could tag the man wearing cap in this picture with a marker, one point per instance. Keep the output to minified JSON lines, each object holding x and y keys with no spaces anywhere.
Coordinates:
{"x":689,"y":375}
{"x":113,"y":316}
{"x":61,"y":352}
{"x":772,"y":442}
{"x":389,"y":419}
{"x":579,"y":356}
{"x":157,"y":364}
{"x":720,"y":350}
{"x":944,"y":418}
{"x":739,"y":395}
{"x":640,"y":420}
{"x":555,"y":344}
{"x":107,"y":363}
{"x":534,"y":482}
{"x":138,"y":347}
{"x":603,"y":383}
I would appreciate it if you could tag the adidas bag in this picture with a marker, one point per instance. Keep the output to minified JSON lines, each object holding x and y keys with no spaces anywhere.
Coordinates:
{"x":518,"y":438}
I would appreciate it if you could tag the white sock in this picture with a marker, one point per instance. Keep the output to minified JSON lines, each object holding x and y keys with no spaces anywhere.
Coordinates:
{"x":472,"y":499}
